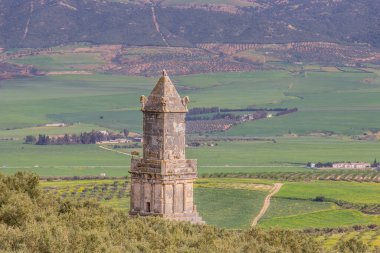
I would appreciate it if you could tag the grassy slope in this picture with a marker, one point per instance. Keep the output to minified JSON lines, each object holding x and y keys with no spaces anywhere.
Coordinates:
{"x":339,"y":102}
{"x":347,"y":191}
{"x":61,"y":160}
{"x":322,"y":219}
{"x":31,"y":101}
{"x":61,"y":62}
{"x":229,"y":208}
{"x":293,"y":206}
{"x":288,"y":154}
{"x":293,"y":152}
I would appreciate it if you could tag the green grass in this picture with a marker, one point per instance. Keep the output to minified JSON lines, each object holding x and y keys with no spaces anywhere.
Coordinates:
{"x":280,"y":207}
{"x":337,"y":102}
{"x":32,"y":101}
{"x":67,"y":160}
{"x":234,"y":183}
{"x":228,"y":208}
{"x":286,"y":155}
{"x":322,"y":219}
{"x":348,"y":191}
{"x":61,"y":62}
{"x":35,"y":131}
{"x":293,"y":207}
{"x":293,"y":152}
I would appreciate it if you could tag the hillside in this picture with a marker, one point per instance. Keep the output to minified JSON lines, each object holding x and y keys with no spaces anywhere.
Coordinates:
{"x":44,"y":23}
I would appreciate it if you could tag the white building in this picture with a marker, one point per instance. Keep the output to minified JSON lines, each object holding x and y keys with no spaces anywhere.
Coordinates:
{"x":349,"y":165}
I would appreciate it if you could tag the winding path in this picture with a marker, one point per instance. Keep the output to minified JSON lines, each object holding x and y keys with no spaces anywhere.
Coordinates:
{"x":276,"y":188}
{"x":26,"y":30}
{"x":155,"y":22}
{"x":116,"y":151}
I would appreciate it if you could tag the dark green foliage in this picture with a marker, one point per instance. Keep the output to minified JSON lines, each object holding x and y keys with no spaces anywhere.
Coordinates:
{"x":352,"y":245}
{"x":30,"y":139}
{"x":307,"y":175}
{"x":320,"y":198}
{"x":32,"y":222}
{"x":84,"y":138}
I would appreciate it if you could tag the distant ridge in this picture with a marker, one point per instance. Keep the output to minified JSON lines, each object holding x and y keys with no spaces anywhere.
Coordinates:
{"x":45,"y":23}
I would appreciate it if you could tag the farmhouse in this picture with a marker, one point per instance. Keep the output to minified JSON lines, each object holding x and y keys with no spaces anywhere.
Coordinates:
{"x":162,"y":180}
{"x":349,"y":165}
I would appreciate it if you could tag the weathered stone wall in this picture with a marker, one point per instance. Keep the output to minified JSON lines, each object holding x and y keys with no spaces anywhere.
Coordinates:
{"x":175,"y":130}
{"x":164,"y":135}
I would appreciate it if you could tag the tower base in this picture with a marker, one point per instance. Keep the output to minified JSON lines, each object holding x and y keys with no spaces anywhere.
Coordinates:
{"x":193,"y":218}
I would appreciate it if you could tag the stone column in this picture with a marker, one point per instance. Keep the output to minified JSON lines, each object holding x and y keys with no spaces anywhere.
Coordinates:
{"x":184,"y":197}
{"x":174,"y":197}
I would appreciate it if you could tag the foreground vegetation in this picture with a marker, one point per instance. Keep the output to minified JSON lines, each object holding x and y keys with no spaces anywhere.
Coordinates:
{"x":33,"y":222}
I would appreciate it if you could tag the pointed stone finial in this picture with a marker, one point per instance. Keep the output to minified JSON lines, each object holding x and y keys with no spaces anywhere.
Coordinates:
{"x":164,"y":97}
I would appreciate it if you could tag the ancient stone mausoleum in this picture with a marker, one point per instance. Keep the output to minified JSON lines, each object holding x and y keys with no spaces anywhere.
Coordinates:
{"x":162,"y":180}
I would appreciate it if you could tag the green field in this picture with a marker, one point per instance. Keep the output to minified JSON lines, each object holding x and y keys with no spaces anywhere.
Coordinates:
{"x":348,"y":191}
{"x":228,"y":208}
{"x":322,"y":219}
{"x":336,"y":102}
{"x":282,"y":207}
{"x":62,"y":62}
{"x":69,"y":160}
{"x":333,"y":107}
{"x":286,"y":155}
{"x":293,"y":207}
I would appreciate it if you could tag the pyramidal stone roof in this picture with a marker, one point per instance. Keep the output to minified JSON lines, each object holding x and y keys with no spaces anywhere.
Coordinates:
{"x":164,"y":97}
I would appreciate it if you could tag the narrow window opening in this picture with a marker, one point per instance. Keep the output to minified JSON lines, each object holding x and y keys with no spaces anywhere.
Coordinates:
{"x":148,"y":207}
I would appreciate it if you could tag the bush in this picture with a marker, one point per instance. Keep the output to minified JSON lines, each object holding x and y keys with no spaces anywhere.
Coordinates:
{"x":352,"y":245}
{"x":320,"y":199}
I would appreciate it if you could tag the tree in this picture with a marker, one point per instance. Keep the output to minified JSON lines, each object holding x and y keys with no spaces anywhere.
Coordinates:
{"x":375,"y":163}
{"x":43,"y":140}
{"x":30,"y":139}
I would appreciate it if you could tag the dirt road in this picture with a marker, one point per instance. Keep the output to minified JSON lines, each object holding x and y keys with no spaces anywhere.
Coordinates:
{"x":276,"y":188}
{"x":119,"y":152}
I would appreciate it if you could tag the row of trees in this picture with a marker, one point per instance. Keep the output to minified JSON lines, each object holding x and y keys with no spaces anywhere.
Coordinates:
{"x":203,"y":110}
{"x":83,"y":138}
{"x":206,"y":110}
{"x":215,"y":116}
{"x":374,"y":164}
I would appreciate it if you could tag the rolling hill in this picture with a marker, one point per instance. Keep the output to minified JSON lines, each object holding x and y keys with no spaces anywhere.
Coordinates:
{"x":45,"y":23}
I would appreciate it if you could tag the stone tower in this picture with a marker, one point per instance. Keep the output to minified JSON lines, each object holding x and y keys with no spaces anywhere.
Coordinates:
{"x":162,"y":180}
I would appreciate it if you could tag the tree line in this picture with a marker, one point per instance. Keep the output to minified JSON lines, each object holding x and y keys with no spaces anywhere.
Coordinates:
{"x":216,"y":109}
{"x":83,"y":138}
